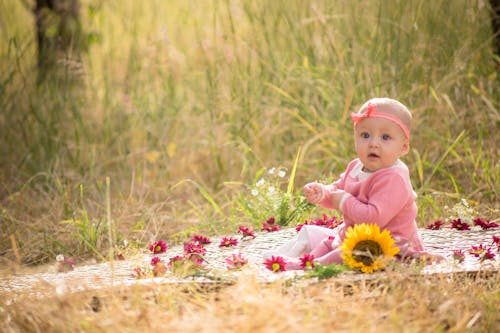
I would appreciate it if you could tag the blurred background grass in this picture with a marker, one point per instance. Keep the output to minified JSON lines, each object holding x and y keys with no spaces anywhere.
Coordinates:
{"x":182,"y":104}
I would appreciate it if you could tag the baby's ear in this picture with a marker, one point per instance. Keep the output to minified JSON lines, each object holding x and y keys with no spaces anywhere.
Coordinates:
{"x":406,"y":148}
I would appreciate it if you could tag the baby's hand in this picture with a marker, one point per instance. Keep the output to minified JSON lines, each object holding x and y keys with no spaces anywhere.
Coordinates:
{"x":314,"y":192}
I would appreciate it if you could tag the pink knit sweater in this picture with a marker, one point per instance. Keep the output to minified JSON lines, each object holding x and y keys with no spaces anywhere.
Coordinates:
{"x":384,"y":197}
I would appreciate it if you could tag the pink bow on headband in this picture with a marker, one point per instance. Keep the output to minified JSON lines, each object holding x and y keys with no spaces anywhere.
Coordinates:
{"x":370,"y":112}
{"x":357,"y":117}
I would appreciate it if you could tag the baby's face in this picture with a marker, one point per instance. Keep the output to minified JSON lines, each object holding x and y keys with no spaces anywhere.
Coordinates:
{"x":379,"y":143}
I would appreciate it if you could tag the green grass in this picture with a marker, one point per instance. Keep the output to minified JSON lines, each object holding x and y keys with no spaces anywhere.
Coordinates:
{"x":181,"y":105}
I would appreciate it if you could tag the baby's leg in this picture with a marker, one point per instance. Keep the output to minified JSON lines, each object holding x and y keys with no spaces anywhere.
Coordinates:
{"x":316,"y":234}
{"x":301,"y":245}
{"x":331,"y":257}
{"x":322,"y":248}
{"x":308,"y":238}
{"x":292,"y":249}
{"x":293,"y":264}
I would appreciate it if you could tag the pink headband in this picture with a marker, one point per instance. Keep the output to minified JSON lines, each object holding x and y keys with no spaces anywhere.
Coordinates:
{"x":370,"y":112}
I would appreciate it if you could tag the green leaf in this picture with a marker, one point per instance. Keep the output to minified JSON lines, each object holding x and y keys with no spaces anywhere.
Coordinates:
{"x":323,"y":272}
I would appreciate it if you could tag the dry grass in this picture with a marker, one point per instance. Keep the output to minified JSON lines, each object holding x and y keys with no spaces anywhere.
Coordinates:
{"x":391,"y":303}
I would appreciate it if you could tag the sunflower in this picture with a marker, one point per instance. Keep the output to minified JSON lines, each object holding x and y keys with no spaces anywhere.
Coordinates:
{"x":367,"y":249}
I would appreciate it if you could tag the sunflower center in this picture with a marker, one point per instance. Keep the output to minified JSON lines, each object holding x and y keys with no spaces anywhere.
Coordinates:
{"x":367,"y":251}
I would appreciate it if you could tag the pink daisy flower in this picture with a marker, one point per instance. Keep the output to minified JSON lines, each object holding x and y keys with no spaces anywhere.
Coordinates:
{"x":275,"y":264}
{"x":485,"y":225}
{"x":201,"y":239}
{"x":194,"y":251}
{"x":155,"y":260}
{"x":246,"y":231}
{"x":307,"y":261}
{"x":458,"y":255}
{"x":477,"y":251}
{"x":496,"y":241}
{"x":120,"y":255}
{"x":159,"y":268}
{"x":228,"y":241}
{"x":64,"y":264}
{"x":236,"y":261}
{"x":459,"y":225}
{"x":270,"y":225}
{"x":175,"y":261}
{"x":436,"y":225}
{"x":158,"y":247}
{"x":138,"y":273}
{"x":487,"y":255}
{"x":325,"y":222}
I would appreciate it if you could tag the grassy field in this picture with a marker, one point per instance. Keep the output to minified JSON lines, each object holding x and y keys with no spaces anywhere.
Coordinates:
{"x":179,"y":108}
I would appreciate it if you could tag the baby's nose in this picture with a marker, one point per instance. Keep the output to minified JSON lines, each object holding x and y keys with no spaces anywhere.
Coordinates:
{"x":374,"y":142}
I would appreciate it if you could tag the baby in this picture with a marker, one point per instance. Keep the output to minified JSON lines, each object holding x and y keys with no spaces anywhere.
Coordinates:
{"x":374,"y":189}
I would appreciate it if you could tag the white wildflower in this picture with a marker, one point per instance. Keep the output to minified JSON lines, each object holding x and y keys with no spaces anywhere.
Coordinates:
{"x":260,"y":182}
{"x":272,"y":171}
{"x":255,"y":192}
{"x":282,"y":173}
{"x":60,"y":258}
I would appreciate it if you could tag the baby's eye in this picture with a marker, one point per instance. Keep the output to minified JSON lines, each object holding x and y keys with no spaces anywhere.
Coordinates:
{"x":386,"y":137}
{"x":365,"y":135}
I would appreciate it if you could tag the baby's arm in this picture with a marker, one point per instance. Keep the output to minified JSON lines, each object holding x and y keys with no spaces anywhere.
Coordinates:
{"x":328,"y":196}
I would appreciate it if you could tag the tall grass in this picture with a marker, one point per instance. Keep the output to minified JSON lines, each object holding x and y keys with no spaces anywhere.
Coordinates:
{"x":179,"y":93}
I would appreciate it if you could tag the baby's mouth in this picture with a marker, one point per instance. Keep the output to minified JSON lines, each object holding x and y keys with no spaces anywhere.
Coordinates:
{"x":372,"y":155}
